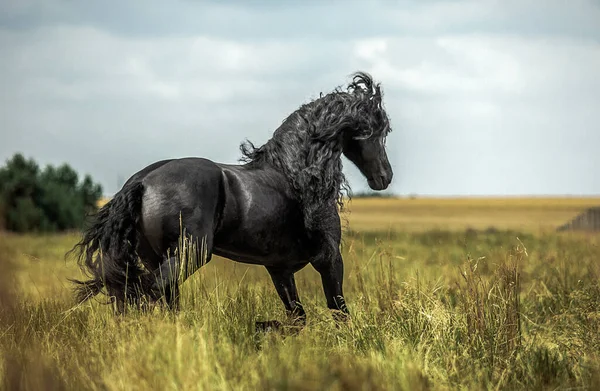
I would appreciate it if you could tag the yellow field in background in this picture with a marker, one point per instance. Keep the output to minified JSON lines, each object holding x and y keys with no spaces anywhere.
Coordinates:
{"x":417,"y":214}
{"x":532,"y":214}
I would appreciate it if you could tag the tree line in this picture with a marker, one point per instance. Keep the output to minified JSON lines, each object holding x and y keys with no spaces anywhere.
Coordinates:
{"x":52,"y":199}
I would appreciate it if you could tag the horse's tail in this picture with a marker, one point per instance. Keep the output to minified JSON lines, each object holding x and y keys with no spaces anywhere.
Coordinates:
{"x":107,"y":249}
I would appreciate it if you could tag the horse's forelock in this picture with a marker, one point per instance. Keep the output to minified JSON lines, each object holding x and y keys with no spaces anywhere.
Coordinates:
{"x":362,"y":83}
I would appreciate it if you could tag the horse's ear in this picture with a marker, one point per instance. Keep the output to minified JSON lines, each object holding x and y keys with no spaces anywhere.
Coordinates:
{"x":377,"y":94}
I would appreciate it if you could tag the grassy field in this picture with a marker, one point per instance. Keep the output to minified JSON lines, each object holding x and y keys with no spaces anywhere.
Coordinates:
{"x":438,"y":301}
{"x":529,"y":214}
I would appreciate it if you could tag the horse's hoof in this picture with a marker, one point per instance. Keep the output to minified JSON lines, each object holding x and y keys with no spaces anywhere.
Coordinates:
{"x":268,"y":326}
{"x":278,"y":327}
{"x":340,"y":317}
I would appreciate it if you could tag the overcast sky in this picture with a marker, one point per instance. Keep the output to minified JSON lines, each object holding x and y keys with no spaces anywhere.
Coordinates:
{"x":485,"y":97}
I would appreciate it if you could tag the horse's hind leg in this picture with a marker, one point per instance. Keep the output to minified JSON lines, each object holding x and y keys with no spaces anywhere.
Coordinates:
{"x":176,"y":268}
{"x":167,"y":282}
{"x":151,"y":261}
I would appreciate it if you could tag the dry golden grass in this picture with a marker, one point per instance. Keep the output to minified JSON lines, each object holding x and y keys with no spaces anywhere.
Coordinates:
{"x":431,"y":309}
{"x":419,"y":214}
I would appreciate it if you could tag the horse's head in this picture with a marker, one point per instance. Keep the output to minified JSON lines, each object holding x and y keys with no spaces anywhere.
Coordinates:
{"x":308,"y":145}
{"x":370,"y":157}
{"x":364,"y":143}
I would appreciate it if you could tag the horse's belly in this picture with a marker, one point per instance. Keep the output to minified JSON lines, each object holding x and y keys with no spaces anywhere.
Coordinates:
{"x":256,"y":259}
{"x":269,"y":247}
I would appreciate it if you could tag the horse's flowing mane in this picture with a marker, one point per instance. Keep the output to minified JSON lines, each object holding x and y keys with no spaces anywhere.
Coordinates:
{"x":307,"y":147}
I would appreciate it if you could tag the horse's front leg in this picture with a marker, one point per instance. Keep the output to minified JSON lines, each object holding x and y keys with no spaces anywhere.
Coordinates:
{"x":331,"y":267}
{"x":285,"y":284}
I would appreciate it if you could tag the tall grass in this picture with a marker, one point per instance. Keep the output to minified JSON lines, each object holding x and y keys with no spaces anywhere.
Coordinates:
{"x":430,"y":310}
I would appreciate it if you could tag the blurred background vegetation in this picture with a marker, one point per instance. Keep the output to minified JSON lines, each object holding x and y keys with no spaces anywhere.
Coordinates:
{"x":44,"y":200}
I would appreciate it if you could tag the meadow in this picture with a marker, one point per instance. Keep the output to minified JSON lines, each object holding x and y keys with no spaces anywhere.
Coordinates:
{"x":444,"y":294}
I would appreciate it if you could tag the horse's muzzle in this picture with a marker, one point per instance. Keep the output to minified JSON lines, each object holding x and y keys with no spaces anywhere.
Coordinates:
{"x":379,"y":183}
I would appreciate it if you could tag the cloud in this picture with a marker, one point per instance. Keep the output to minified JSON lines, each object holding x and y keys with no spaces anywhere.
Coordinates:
{"x":498,"y":109}
{"x":349,"y":19}
{"x":174,"y":95}
{"x":482,"y":99}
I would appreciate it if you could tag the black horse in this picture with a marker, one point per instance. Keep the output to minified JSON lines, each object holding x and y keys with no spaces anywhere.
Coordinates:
{"x":278,"y":209}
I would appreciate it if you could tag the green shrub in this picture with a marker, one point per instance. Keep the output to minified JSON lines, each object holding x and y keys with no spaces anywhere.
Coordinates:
{"x":44,"y":201}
